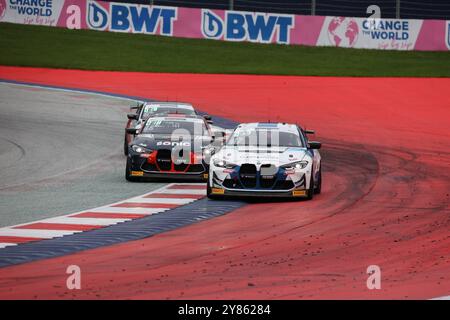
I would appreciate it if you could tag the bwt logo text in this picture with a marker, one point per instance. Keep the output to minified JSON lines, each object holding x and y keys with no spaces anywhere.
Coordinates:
{"x":131,"y":18}
{"x":247,"y":26}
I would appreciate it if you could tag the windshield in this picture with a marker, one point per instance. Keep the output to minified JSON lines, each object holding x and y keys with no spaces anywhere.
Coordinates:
{"x":160,"y":126}
{"x":264,"y":138}
{"x":153,"y":110}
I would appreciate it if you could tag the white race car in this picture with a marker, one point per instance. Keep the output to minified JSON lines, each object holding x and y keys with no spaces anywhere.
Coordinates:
{"x":266,"y":159}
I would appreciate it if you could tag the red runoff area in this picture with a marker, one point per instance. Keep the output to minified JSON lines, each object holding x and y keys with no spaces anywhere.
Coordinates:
{"x":385,"y":199}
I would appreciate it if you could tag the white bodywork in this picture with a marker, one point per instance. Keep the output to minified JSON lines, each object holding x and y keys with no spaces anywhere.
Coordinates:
{"x":298,"y":162}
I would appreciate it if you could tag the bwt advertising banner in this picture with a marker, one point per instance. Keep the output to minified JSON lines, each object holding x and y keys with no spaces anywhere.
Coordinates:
{"x":256,"y":27}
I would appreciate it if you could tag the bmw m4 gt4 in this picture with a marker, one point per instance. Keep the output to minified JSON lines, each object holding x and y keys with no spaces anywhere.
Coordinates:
{"x":266,"y":159}
{"x":144,"y":111}
{"x":175,"y":146}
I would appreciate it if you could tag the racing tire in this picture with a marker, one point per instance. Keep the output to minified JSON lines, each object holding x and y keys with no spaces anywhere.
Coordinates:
{"x":310,"y":192}
{"x":125,"y":145}
{"x":318,"y":188}
{"x":208,"y":192}
{"x":128,"y":176}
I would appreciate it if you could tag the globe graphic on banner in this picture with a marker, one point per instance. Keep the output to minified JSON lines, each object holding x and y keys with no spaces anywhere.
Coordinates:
{"x":343,"y":32}
{"x":2,"y":8}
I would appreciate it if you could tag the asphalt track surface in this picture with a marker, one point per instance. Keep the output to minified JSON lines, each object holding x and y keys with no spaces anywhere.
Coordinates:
{"x":56,"y":148}
{"x":385,"y":199}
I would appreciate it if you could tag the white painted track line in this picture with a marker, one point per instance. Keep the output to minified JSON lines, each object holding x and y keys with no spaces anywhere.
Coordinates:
{"x":442,"y":298}
{"x":85,"y":221}
{"x":4,"y":245}
{"x":161,"y":200}
{"x":128,"y":210}
{"x":35,"y":233}
{"x":185,"y":191}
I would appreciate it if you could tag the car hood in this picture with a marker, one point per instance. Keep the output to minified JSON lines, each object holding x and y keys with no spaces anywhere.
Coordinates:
{"x":259,"y":155}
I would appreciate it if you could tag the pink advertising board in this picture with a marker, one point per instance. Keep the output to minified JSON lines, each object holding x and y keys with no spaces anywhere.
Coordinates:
{"x":259,"y":27}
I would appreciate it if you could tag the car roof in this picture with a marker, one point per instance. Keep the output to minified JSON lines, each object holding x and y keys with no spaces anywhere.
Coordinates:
{"x":178,"y":117}
{"x":280,"y":126}
{"x":183,"y":105}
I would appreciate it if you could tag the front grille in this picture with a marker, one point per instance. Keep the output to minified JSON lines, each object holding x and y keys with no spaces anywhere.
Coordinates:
{"x":148,"y":167}
{"x":232,"y":184}
{"x":196,"y":168}
{"x":267,"y":181}
{"x":164,"y":159}
{"x":247,"y":175}
{"x":180,"y":167}
{"x":284,"y":185}
{"x":267,"y":175}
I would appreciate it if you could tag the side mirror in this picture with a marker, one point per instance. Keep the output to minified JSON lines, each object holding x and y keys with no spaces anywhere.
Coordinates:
{"x":310,"y":131}
{"x":132,"y":116}
{"x":208,"y":119}
{"x":314,"y":145}
{"x":218,"y":134}
{"x":131,"y":131}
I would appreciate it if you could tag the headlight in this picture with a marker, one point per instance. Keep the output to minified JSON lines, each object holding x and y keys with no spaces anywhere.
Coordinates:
{"x":140,"y":149}
{"x":208,"y":151}
{"x":223,"y":164}
{"x":296,"y":165}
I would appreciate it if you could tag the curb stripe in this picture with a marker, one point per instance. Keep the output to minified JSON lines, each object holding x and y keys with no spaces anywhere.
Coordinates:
{"x":4,"y":244}
{"x":84,"y":221}
{"x":96,"y":218}
{"x":175,"y":201}
{"x":145,"y":205}
{"x":181,"y":191}
{"x":16,"y":240}
{"x":189,"y":187}
{"x":173,"y":196}
{"x":127,"y":216}
{"x":146,"y":211}
{"x":45,"y":234}
{"x":59,"y":226}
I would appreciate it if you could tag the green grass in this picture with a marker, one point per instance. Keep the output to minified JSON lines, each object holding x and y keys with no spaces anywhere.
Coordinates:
{"x":23,"y":45}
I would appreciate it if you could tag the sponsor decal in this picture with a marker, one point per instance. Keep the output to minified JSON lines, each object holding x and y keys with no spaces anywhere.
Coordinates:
{"x":42,"y":8}
{"x":137,"y":173}
{"x":39,"y":12}
{"x":299,"y":193}
{"x":447,"y":34}
{"x":133,"y":18}
{"x":217,"y":191}
{"x":343,"y":32}
{"x":370,"y":33}
{"x":247,"y":26}
{"x":173,"y":143}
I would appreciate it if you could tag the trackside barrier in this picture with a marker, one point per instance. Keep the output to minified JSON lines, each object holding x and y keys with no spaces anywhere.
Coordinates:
{"x":259,"y":27}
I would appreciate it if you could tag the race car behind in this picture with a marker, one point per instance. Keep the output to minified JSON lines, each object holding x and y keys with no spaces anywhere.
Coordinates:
{"x":146,"y":110}
{"x":175,"y":146}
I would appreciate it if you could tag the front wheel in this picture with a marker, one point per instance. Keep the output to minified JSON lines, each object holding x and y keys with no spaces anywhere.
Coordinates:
{"x":319,"y":182}
{"x":209,"y":192}
{"x":310,"y":192}
{"x":128,"y":175}
{"x":125,"y":145}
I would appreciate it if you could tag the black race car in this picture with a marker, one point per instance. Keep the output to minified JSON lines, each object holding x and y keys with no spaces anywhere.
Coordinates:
{"x":173,"y":146}
{"x":145,"y":110}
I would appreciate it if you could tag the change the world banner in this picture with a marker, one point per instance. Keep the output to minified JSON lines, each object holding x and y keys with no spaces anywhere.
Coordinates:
{"x":256,"y":27}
